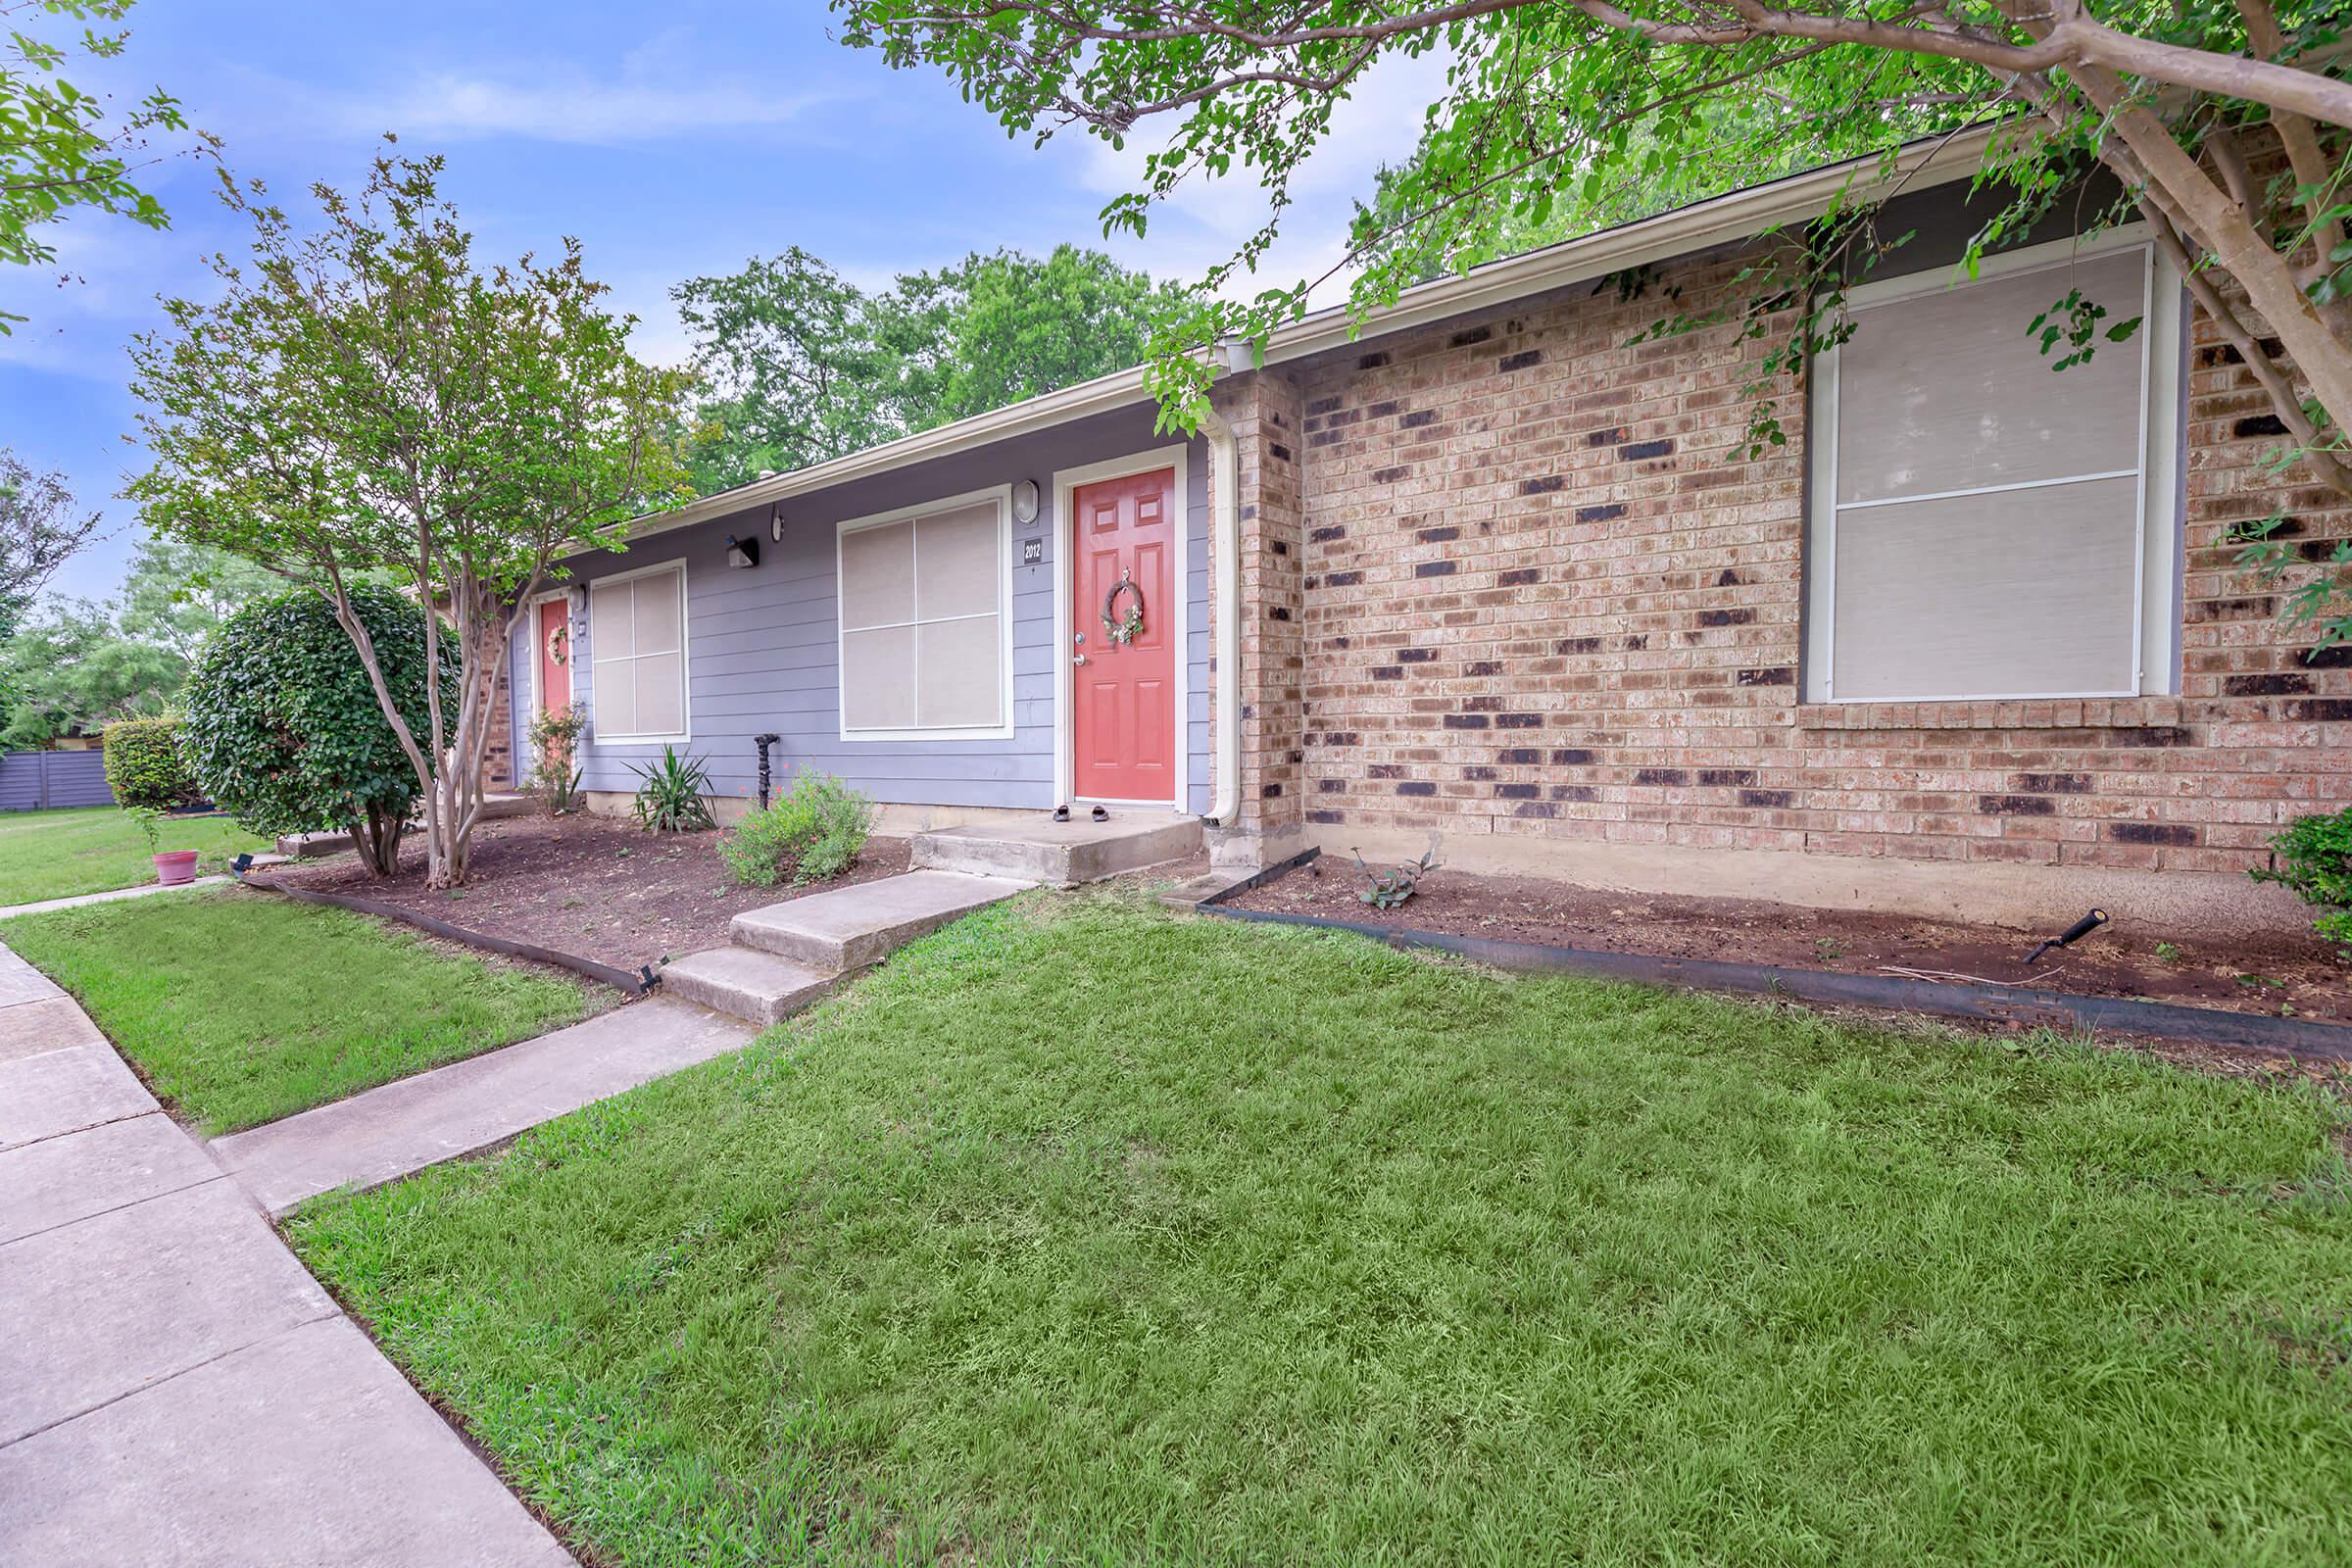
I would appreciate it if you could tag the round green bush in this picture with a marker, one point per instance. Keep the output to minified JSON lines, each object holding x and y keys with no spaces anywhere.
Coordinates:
{"x":284,"y":727}
{"x":812,"y":833}
{"x":2312,"y":856}
{"x":145,"y":766}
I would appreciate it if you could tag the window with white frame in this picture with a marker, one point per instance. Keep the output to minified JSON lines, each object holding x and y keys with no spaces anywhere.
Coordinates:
{"x":637,"y":655}
{"x":1984,"y":525}
{"x":926,"y":642}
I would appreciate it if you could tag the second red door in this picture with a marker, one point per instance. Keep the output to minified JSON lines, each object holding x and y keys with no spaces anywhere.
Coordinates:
{"x":1123,"y":689}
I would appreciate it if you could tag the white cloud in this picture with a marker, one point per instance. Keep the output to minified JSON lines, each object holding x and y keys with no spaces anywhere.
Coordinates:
{"x":569,"y":106}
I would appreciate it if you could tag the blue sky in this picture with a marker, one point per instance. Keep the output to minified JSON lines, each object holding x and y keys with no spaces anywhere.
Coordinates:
{"x":672,"y":140}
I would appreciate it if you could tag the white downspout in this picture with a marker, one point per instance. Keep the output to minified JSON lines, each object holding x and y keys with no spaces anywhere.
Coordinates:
{"x":1225,"y":637}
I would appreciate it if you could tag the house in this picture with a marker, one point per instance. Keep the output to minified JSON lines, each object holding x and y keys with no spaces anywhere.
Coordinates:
{"x":1969,"y":643}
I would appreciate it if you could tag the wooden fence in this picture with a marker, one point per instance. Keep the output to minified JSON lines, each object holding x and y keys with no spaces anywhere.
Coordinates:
{"x":33,"y":781}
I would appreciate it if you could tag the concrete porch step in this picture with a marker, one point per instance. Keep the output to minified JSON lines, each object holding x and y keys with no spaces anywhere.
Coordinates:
{"x":1060,"y":854}
{"x":851,"y":927}
{"x":758,"y":986}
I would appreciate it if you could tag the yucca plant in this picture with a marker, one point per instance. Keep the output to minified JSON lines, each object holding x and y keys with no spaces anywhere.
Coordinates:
{"x":669,"y":795}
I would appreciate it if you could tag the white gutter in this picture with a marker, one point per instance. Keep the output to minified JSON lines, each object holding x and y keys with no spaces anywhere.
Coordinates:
{"x":1720,"y":221}
{"x":1225,"y":636}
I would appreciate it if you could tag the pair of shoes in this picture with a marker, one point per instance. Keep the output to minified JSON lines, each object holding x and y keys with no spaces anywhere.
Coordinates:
{"x":1061,"y":814}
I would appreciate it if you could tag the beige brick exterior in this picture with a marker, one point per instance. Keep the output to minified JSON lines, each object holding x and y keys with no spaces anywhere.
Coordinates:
{"x":1516,"y":587}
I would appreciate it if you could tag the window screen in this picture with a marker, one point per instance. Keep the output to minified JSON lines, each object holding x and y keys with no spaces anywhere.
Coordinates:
{"x":922,"y":623}
{"x":1983,"y":534}
{"x":637,"y":655}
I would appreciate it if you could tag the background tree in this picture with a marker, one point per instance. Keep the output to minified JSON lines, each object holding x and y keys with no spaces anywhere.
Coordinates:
{"x":2223,"y":120}
{"x":365,"y":400}
{"x":800,"y":365}
{"x":62,"y":148}
{"x":283,"y":729}
{"x":40,"y":530}
{"x":77,"y":665}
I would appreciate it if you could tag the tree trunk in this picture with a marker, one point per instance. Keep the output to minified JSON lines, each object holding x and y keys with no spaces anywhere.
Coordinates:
{"x":378,"y":839}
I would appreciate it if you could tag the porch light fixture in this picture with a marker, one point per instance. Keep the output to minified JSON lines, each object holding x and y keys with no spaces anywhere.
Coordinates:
{"x":775,"y":523}
{"x":741,"y":552}
{"x":1025,"y":502}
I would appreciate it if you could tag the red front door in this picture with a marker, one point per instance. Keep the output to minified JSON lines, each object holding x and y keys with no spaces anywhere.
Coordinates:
{"x":554,"y":624}
{"x":1123,"y":691}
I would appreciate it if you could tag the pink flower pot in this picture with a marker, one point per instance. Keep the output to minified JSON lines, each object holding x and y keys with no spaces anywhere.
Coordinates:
{"x":175,"y":867}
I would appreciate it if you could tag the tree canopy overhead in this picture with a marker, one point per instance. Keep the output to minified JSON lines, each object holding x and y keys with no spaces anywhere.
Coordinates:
{"x":2223,"y":120}
{"x":61,"y":147}
{"x":800,"y":364}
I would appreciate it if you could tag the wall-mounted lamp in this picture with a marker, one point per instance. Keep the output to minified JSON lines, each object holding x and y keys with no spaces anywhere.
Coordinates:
{"x":1025,"y":502}
{"x":775,"y":523}
{"x":742,"y":552}
{"x":576,"y":597}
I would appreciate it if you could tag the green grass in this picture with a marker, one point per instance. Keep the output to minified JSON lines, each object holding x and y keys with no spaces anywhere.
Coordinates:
{"x":1111,"y":1238}
{"x":240,"y":1008}
{"x":56,"y":855}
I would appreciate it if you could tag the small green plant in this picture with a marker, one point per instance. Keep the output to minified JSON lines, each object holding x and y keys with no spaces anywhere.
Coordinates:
{"x":554,"y":740}
{"x":1827,"y":950}
{"x":1386,"y":890}
{"x":146,"y":764}
{"x":812,"y":833}
{"x":151,"y":823}
{"x":669,"y":795}
{"x":2312,"y":856}
{"x":2168,"y":952}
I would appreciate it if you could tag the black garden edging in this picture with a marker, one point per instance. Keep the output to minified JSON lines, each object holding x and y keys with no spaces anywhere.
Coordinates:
{"x":2057,"y":1009}
{"x":602,"y":973}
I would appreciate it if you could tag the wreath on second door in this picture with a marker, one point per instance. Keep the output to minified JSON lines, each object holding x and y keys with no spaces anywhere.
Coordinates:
{"x":1123,"y":627}
{"x":559,"y":644}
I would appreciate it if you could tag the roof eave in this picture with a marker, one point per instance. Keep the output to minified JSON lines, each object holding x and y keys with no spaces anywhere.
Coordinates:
{"x":1702,"y":225}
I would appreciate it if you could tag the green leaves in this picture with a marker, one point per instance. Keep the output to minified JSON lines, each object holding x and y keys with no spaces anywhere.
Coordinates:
{"x":283,"y":728}
{"x":670,"y":795}
{"x":2313,"y":857}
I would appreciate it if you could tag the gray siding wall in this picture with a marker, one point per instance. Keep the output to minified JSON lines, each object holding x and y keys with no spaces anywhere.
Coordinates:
{"x":762,"y":644}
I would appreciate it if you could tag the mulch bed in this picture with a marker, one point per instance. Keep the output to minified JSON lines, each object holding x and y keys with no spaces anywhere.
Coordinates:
{"x":2287,"y":976}
{"x":589,"y":886}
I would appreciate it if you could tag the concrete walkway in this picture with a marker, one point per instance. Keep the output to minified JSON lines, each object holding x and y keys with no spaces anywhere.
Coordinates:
{"x":470,"y":1105}
{"x":173,"y":1388}
{"x":143,"y":890}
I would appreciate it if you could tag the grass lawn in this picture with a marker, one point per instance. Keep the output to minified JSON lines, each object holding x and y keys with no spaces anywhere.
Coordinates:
{"x":1083,"y":1234}
{"x":56,"y":855}
{"x":240,"y":1008}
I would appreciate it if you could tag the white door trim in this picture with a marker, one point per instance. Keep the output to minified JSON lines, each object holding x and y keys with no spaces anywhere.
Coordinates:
{"x":1066,"y":483}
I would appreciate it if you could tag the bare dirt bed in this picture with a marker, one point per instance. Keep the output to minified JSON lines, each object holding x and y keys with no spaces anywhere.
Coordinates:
{"x":2291,"y":975}
{"x":588,"y":886}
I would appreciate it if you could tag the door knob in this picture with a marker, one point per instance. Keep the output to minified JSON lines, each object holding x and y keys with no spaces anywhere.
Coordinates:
{"x":1077,"y":658}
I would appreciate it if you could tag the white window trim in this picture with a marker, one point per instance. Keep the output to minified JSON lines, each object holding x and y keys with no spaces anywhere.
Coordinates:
{"x":1000,"y":496}
{"x":1067,"y":482}
{"x":2155,"y":655}
{"x":596,"y":732}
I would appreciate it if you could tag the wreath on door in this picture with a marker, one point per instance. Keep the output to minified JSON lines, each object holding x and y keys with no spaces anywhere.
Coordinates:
{"x":1122,"y":628}
{"x":558,"y":642}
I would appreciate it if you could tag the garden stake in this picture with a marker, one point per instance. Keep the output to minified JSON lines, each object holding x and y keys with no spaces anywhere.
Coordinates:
{"x":763,"y":742}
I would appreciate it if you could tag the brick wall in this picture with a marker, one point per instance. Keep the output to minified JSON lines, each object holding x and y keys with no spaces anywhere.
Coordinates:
{"x":1262,"y":410}
{"x":1539,"y":599}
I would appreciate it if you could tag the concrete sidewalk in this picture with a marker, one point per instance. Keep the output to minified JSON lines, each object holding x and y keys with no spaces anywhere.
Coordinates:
{"x":79,"y":900}
{"x":397,"y":1128}
{"x":174,"y":1388}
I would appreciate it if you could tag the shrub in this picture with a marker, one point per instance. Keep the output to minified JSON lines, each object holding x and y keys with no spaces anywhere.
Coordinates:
{"x":284,"y":729}
{"x":2313,"y":855}
{"x":669,"y":795}
{"x":554,"y":740}
{"x":147,"y":766}
{"x":812,"y":833}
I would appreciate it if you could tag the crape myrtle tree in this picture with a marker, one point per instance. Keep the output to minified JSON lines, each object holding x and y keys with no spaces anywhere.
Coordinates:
{"x":364,"y":402}
{"x":2223,"y":121}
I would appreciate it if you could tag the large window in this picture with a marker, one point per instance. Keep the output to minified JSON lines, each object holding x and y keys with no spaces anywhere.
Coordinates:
{"x":926,"y":645}
{"x":1984,"y":525}
{"x":637,"y":655}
